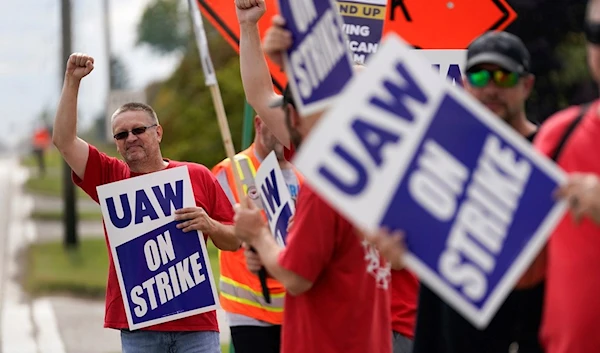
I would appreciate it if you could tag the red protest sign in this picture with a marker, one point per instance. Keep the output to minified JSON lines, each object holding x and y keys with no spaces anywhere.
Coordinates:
{"x":431,"y":24}
{"x":445,"y":24}
{"x":221,"y":14}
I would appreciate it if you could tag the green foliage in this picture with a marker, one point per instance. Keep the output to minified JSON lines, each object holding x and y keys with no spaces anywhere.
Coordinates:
{"x":572,"y":50}
{"x":51,"y":184}
{"x":57,"y":215}
{"x":185,"y":107}
{"x":53,"y":270}
{"x":164,"y":26}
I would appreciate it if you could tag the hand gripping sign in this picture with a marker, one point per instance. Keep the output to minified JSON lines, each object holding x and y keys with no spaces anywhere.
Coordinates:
{"x":164,"y":274}
{"x":275,"y":197}
{"x":413,"y":152}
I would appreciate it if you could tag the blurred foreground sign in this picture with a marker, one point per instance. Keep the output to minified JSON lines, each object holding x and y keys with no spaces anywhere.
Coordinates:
{"x":413,"y":152}
{"x":432,"y":24}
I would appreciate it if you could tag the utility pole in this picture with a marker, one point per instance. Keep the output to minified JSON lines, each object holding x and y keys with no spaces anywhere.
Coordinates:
{"x":110,"y":83}
{"x":70,"y":209}
{"x":107,"y":47}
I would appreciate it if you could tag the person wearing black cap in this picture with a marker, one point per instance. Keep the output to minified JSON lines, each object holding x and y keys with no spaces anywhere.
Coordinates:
{"x":337,"y":286}
{"x":498,"y":75}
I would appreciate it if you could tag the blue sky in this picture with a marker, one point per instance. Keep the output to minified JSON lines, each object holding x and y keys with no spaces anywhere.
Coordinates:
{"x":30,"y":65}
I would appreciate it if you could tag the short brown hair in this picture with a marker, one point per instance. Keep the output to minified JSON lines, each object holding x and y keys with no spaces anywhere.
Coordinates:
{"x":135,"y":106}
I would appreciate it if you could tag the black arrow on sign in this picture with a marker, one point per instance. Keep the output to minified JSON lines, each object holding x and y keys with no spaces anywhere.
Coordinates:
{"x":396,"y":3}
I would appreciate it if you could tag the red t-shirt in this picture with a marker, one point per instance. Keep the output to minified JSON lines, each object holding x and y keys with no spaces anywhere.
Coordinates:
{"x":571,"y":315}
{"x":405,"y":290}
{"x":102,"y":169}
{"x":347,"y":309}
{"x":288,"y":153}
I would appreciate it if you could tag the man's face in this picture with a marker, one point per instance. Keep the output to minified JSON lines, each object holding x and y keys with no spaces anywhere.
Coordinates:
{"x":593,"y":50}
{"x":593,"y":58}
{"x":506,"y":99}
{"x":292,"y":121}
{"x":141,"y":147}
{"x":268,"y":140}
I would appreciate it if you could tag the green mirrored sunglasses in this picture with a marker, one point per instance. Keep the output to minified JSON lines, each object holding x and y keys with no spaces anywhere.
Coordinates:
{"x":502,"y":78}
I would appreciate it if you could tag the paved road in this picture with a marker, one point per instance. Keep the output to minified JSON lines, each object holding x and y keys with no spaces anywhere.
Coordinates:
{"x":52,"y":324}
{"x":41,"y":325}
{"x":27,"y":326}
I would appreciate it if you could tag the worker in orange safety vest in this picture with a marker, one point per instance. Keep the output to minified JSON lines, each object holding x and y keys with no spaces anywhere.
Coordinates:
{"x":255,"y":325}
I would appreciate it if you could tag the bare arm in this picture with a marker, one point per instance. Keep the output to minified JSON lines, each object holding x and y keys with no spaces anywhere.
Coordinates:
{"x":256,"y":77}
{"x":251,"y":227}
{"x":390,"y":245}
{"x":74,"y":150}
{"x":268,"y":251}
{"x":223,"y":236}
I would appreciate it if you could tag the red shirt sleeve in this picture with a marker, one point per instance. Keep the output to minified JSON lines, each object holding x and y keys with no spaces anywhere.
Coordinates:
{"x":288,"y":153}
{"x":100,"y":169}
{"x":216,"y":203}
{"x":312,"y":238}
{"x":551,"y":131}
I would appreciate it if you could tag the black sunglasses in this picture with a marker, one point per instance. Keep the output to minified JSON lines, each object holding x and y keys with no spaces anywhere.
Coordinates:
{"x":137,"y":131}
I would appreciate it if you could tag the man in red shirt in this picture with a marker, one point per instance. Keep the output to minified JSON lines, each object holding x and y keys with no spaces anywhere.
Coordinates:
{"x":571,"y":314}
{"x":337,"y":285}
{"x":289,"y":129}
{"x":138,"y":136}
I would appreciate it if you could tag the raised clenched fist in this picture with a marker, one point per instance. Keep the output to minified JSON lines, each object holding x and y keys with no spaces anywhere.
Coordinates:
{"x":249,"y":11}
{"x":79,"y":65}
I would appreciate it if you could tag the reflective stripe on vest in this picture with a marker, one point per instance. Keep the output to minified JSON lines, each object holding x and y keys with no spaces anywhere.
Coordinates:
{"x":240,"y":291}
{"x":247,"y":172}
{"x":243,"y":294}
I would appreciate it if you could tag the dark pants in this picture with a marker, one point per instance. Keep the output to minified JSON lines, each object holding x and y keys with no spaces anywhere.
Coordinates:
{"x":401,"y":344}
{"x":256,"y":339}
{"x":440,"y":328}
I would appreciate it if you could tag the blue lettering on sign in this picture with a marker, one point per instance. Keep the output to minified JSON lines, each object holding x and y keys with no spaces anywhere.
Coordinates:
{"x":170,"y":283}
{"x":478,"y":206}
{"x":119,"y":222}
{"x":438,"y":182}
{"x":480,"y":228}
{"x":398,"y":104}
{"x":319,"y":53}
{"x":319,"y":60}
{"x":270,"y":192}
{"x":353,"y":187}
{"x":282,"y":224}
{"x":454,"y":73}
{"x":304,"y":13}
{"x":169,"y":197}
{"x":374,"y":138}
{"x":175,"y":277}
{"x":143,"y":205}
